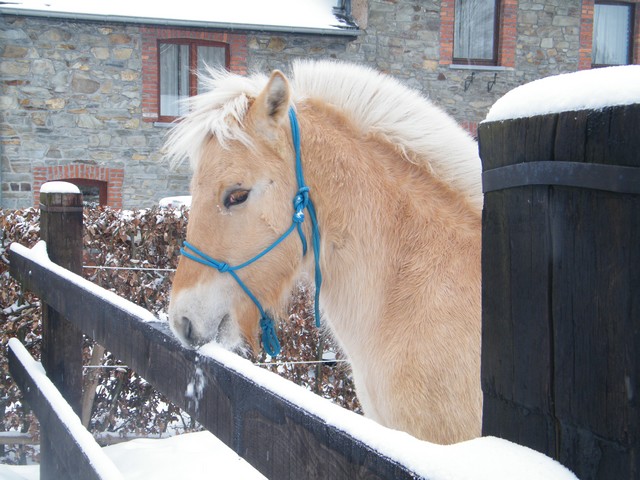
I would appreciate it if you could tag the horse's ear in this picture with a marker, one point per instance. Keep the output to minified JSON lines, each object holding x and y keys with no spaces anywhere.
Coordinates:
{"x":273,"y":101}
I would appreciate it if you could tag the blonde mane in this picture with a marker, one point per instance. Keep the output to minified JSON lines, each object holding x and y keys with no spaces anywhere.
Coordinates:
{"x":375,"y":103}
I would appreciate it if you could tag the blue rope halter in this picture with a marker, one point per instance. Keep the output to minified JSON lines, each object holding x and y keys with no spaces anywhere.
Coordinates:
{"x":301,"y":201}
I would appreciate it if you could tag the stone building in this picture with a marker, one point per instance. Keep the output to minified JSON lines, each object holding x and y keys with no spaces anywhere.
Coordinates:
{"x":87,"y":96}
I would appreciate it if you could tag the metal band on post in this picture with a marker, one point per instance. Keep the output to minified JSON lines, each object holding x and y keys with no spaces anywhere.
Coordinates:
{"x":594,"y":176}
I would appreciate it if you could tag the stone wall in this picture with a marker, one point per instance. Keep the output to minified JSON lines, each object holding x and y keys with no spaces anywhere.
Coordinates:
{"x":548,"y":38}
{"x":71,"y":91}
{"x":71,"y":94}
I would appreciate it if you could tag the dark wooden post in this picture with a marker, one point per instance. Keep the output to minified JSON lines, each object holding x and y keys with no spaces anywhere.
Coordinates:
{"x":561,"y":287}
{"x":61,"y":229}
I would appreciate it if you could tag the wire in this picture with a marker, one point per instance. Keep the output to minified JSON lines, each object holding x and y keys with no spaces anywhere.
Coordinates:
{"x":301,"y":362}
{"x":98,"y":267}
{"x":260,"y":364}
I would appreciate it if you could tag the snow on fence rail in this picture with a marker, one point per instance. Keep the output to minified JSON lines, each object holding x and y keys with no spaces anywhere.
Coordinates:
{"x":281,"y":429}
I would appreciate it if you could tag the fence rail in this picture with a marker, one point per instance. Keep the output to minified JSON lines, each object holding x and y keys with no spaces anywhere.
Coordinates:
{"x":74,"y":450}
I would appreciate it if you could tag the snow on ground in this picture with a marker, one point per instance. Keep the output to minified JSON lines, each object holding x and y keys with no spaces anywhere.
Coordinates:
{"x":192,"y":456}
{"x":295,"y":14}
{"x":583,"y":90}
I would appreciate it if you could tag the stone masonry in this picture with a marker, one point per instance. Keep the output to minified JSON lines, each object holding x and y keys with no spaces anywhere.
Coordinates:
{"x":73,"y":93}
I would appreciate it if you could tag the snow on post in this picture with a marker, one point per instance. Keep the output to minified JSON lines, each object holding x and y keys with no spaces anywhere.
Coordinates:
{"x":561,"y":225}
{"x":583,"y":90}
{"x":59,"y":187}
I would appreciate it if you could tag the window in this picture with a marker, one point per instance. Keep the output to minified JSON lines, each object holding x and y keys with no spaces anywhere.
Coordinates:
{"x":612,"y":34}
{"x":475,"y":32}
{"x":94,"y":192}
{"x":180,"y":63}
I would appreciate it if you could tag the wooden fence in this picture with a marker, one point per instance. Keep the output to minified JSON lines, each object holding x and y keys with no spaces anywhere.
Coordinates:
{"x":561,"y":287}
{"x":279,"y":438}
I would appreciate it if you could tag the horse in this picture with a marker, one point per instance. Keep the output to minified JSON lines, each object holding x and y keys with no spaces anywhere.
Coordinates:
{"x":396,"y":191}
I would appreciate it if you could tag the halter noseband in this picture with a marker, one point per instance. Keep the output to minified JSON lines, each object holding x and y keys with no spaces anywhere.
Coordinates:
{"x":301,"y":201}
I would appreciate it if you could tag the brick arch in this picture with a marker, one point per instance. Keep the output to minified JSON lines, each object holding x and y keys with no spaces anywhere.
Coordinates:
{"x":113,"y":177}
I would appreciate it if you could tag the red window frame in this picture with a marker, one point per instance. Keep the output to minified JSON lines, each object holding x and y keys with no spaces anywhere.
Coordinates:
{"x":193,"y":65}
{"x":633,"y":12}
{"x":496,"y":40}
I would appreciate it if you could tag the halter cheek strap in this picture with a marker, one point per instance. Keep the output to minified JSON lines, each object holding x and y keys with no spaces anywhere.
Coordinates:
{"x":301,"y":202}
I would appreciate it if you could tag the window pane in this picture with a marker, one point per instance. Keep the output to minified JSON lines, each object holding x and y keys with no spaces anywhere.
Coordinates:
{"x":174,"y":78}
{"x":212,"y":57}
{"x":474,"y":29}
{"x":611,"y":34}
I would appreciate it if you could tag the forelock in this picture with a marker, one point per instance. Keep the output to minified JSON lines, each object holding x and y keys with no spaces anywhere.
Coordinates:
{"x":219,"y":112}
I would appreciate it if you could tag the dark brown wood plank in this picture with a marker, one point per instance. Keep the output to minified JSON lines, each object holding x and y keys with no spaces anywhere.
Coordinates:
{"x":596,"y":289}
{"x":69,"y":456}
{"x":596,"y":367}
{"x":61,"y":229}
{"x":257,"y":423}
{"x":560,"y":273}
{"x":516,"y":358}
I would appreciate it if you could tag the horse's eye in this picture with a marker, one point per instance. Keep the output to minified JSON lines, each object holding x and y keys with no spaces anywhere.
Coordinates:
{"x":236,"y":197}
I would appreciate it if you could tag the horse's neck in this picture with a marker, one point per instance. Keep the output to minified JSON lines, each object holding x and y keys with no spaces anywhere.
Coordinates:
{"x":376,"y":211}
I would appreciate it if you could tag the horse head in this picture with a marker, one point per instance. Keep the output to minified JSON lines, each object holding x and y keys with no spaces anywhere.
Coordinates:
{"x":243,"y":185}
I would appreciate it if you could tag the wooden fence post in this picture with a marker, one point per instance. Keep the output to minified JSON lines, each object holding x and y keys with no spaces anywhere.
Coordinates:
{"x":61,"y":229}
{"x":561,"y":287}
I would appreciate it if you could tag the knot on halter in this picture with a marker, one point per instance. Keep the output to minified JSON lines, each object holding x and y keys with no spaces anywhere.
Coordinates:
{"x":270,"y":341}
{"x":300,"y":202}
{"x":298,"y":217}
{"x":223,"y":267}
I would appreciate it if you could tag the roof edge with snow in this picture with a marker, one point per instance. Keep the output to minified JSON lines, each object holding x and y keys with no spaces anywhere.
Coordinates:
{"x":340,"y":28}
{"x":319,"y":17}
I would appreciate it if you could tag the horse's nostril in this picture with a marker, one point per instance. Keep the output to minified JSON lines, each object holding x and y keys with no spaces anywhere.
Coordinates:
{"x":187,"y":328}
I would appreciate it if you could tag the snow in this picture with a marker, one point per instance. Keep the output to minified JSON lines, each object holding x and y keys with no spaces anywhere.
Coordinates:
{"x":63,"y":410}
{"x":175,"y":202}
{"x":583,"y":90}
{"x":59,"y":187}
{"x":195,"y":388}
{"x":39,"y":255}
{"x":192,"y":456}
{"x":292,"y":14}
{"x":486,"y":458}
